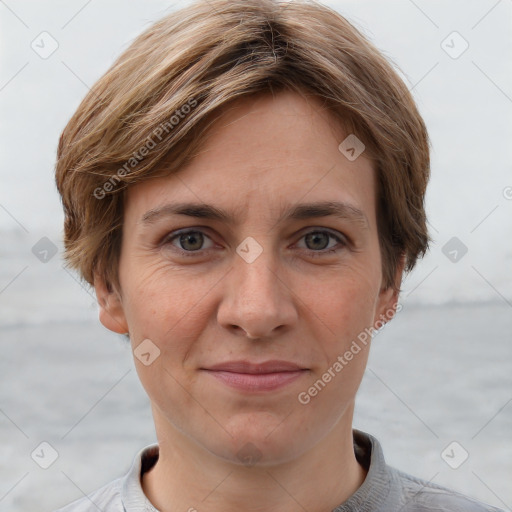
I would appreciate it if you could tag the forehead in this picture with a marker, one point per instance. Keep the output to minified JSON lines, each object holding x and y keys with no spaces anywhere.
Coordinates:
{"x":266,"y":152}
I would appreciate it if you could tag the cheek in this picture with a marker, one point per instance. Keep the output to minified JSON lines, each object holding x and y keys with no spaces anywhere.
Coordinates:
{"x":343,"y":309}
{"x":171,"y":310}
{"x":164,"y":305}
{"x":344,"y":300}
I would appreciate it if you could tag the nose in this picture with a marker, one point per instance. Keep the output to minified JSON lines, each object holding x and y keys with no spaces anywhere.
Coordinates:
{"x":257,"y":299}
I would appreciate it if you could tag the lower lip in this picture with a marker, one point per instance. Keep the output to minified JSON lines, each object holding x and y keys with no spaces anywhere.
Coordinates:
{"x":257,"y":382}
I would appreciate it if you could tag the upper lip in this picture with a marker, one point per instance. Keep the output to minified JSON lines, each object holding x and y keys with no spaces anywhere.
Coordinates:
{"x":255,"y":368}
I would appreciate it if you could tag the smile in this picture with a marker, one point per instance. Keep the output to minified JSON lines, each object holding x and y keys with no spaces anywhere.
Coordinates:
{"x":247,"y":376}
{"x":257,"y":381}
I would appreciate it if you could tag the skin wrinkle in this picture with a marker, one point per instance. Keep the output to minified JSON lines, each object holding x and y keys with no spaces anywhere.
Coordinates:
{"x":284,"y":305}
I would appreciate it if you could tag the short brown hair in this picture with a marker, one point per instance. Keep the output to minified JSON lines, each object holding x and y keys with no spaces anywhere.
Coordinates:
{"x":179,"y":74}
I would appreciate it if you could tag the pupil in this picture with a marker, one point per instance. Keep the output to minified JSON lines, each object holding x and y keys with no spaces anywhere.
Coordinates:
{"x":314,"y":237}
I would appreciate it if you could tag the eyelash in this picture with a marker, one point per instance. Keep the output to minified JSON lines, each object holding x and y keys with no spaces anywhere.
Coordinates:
{"x":169,"y":238}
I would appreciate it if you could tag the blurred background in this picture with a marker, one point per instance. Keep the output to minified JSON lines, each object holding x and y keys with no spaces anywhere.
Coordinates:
{"x":438,"y":389}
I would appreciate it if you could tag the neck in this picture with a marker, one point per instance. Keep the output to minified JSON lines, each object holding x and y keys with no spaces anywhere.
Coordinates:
{"x":187,"y":477}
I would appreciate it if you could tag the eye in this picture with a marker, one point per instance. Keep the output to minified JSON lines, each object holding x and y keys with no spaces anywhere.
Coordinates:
{"x":188,"y":242}
{"x":318,"y":242}
{"x":192,"y":242}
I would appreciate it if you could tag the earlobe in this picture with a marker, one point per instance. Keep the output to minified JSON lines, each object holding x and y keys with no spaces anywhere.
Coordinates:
{"x":387,"y":307}
{"x":111,"y":313}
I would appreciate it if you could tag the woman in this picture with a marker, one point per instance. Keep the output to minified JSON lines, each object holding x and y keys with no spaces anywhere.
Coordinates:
{"x":280,"y":144}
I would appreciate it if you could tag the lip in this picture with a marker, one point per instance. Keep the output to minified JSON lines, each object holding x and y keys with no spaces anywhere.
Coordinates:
{"x":249,"y":376}
{"x":273,"y":366}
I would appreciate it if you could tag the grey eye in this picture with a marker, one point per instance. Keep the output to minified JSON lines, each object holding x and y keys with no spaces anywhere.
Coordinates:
{"x":317,"y":240}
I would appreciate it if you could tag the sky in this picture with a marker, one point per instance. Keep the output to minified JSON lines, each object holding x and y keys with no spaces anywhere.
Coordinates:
{"x":455,"y":56}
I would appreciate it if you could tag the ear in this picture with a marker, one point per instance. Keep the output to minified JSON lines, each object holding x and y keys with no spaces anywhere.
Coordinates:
{"x":111,"y":307}
{"x":387,"y":303}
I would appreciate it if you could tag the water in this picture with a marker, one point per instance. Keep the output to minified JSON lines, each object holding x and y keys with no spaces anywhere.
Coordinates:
{"x":436,"y":375}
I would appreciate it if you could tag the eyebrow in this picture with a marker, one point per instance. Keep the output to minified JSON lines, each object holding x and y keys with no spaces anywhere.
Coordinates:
{"x":303,"y":211}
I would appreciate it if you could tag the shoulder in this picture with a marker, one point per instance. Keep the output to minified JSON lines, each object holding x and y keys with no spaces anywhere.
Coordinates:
{"x":106,"y":499}
{"x":124,"y":493}
{"x":421,"y":496}
{"x":387,"y":489}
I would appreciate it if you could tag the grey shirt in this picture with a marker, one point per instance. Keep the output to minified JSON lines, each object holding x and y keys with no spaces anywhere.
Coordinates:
{"x":385,"y":489}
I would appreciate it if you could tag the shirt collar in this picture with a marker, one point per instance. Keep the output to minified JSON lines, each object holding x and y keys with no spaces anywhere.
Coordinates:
{"x":132,"y":495}
{"x":376,"y":487}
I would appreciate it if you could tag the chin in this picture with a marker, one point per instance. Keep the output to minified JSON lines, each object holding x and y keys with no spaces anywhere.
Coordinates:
{"x":259,"y":438}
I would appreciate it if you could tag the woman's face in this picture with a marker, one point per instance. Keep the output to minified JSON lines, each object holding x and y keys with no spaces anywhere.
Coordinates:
{"x":250,"y":271}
